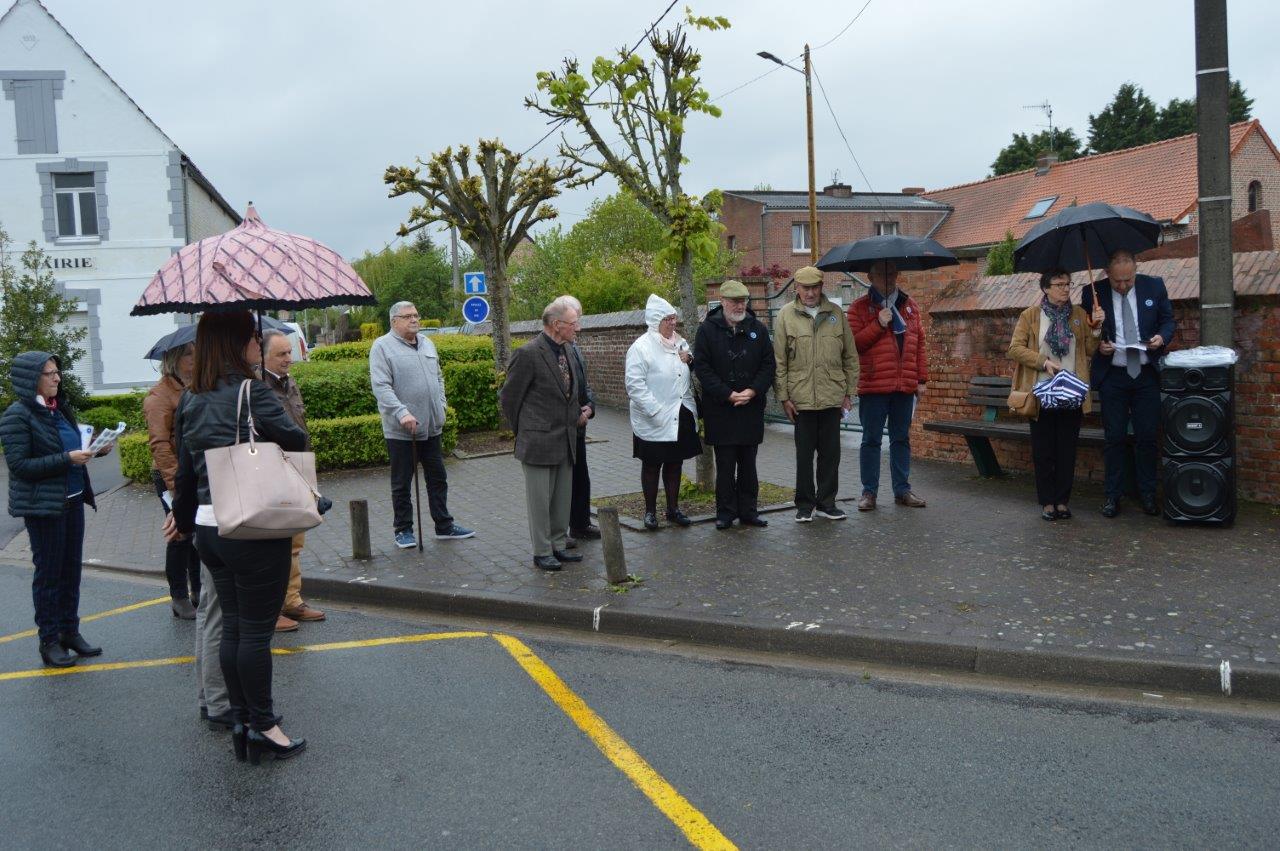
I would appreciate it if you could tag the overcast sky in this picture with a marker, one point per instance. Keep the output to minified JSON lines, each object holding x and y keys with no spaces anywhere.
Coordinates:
{"x":299,"y":105}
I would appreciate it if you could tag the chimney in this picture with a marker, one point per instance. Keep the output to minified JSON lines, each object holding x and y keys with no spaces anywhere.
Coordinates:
{"x":1045,"y":161}
{"x":913,"y":190}
{"x":838,"y":190}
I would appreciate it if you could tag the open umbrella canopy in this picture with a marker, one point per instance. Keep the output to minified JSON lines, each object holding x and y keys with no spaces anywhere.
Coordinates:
{"x":252,"y":267}
{"x":1085,"y":237}
{"x":908,"y":253}
{"x":187,"y":334}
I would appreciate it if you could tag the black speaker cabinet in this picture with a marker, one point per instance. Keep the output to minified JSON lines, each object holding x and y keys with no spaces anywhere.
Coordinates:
{"x":1198,"y":424}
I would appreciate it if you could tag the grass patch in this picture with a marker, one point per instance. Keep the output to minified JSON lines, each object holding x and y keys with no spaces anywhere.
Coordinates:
{"x":693,"y":501}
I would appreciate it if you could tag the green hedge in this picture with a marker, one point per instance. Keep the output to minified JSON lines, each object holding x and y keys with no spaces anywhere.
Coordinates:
{"x":128,"y":404}
{"x":472,"y":388}
{"x":101,"y":417}
{"x":453,"y":348}
{"x":340,"y":352}
{"x":336,"y":389}
{"x":339,"y":443}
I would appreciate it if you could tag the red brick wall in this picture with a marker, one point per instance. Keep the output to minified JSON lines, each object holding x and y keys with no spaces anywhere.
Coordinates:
{"x":605,"y":351}
{"x":962,"y":345}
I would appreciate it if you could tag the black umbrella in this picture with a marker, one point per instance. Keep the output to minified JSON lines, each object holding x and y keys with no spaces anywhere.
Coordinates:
{"x":908,"y":253}
{"x":187,"y":334}
{"x":1081,"y":238}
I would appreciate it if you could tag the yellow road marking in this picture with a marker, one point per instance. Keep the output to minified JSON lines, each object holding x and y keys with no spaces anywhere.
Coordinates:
{"x":95,"y":667}
{"x":700,"y":832}
{"x":377,"y":642}
{"x":30,"y":633}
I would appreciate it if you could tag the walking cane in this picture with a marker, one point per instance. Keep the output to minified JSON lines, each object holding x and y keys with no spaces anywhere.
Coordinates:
{"x":417,"y":494}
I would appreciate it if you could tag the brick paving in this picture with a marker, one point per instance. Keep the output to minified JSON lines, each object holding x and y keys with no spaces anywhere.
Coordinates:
{"x":977,"y":565}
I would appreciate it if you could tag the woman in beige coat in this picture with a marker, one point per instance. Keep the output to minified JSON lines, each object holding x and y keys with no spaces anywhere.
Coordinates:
{"x":1051,"y":336}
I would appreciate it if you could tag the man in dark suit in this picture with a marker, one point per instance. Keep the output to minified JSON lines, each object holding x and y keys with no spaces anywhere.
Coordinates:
{"x":580,"y":527}
{"x":1135,"y":332}
{"x":540,"y":399}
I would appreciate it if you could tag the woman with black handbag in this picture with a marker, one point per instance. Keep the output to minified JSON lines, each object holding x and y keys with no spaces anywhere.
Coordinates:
{"x":250,"y":575}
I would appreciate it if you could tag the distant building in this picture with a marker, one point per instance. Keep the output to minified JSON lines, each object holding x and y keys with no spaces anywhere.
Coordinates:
{"x":1159,"y":179}
{"x":107,"y":195}
{"x":768,"y":227}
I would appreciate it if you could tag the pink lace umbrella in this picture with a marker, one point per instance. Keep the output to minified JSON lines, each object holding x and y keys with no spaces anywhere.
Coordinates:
{"x":252,"y":267}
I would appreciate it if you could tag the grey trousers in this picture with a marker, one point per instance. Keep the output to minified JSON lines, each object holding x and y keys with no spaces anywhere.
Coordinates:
{"x":211,"y":687}
{"x":548,"y":494}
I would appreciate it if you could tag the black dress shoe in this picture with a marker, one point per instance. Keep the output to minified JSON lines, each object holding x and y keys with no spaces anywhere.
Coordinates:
{"x":650,"y":521}
{"x":258,"y":744}
{"x":679,"y":518}
{"x":724,"y":524}
{"x":75,"y":642}
{"x":1049,"y":514}
{"x":1110,"y":508}
{"x":55,"y":655}
{"x":1150,"y":506}
{"x":561,"y":555}
{"x":586,"y":533}
{"x":758,"y":522}
{"x":546,"y":563}
{"x":570,"y":542}
{"x":1063,"y":513}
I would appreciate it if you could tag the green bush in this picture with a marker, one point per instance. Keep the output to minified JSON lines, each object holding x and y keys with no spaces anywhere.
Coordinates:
{"x":370,"y":331}
{"x":101,"y":417}
{"x":336,"y":389}
{"x":135,"y":456}
{"x":430,"y":323}
{"x":472,"y":388}
{"x":339,"y":443}
{"x":453,"y":348}
{"x":341,"y":352}
{"x":128,"y":404}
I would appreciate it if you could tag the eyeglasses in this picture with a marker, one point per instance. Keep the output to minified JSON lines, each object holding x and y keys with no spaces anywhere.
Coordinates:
{"x":1065,"y":286}
{"x":52,"y":373}
{"x":409,"y":316}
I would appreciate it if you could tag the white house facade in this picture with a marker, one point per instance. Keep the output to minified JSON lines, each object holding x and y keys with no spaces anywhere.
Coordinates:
{"x":98,"y":186}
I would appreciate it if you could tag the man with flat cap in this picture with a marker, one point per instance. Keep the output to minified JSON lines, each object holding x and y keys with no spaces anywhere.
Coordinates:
{"x":733,"y":359}
{"x":817,"y":375}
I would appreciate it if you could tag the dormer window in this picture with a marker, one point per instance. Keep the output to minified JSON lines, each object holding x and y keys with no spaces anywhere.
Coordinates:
{"x":1040,"y":207}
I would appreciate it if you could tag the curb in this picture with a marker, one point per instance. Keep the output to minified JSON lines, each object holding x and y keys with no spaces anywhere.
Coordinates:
{"x":878,"y":646}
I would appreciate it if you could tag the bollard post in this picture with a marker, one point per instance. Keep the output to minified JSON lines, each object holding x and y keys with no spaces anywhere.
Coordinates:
{"x":360,"y":547}
{"x":615,"y":559}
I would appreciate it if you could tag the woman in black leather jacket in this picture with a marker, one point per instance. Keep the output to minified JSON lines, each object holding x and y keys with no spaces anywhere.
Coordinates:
{"x":250,"y":576}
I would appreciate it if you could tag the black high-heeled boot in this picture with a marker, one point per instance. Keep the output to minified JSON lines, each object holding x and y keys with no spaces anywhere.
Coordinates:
{"x":240,"y":742}
{"x":260,"y":744}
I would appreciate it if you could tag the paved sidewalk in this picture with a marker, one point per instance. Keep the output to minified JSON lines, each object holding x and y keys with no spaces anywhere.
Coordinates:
{"x":976,"y":580}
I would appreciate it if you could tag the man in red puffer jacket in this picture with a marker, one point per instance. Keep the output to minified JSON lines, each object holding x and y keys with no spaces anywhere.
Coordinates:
{"x":890,"y":341}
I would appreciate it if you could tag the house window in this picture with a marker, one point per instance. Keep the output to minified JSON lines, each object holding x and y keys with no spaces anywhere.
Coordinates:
{"x":886,"y":228}
{"x":1255,"y":196}
{"x":75,"y":204}
{"x":1040,"y":207}
{"x":733,"y":242}
{"x":799,"y":237}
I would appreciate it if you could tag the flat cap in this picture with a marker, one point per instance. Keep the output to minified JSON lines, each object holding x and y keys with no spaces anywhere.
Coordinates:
{"x":808,"y":276}
{"x":734,"y":289}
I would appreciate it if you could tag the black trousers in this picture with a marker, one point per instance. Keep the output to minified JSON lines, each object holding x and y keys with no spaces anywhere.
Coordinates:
{"x":250,"y":577}
{"x":432,"y":461}
{"x":1054,"y":435}
{"x":817,"y":431}
{"x":1128,"y":400}
{"x":181,"y":561}
{"x":580,"y":501}
{"x":737,"y":486}
{"x":57,"y":547}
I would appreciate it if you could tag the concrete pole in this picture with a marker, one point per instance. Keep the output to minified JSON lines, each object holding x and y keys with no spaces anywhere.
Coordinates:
{"x":813,"y":186}
{"x":1213,"y":85}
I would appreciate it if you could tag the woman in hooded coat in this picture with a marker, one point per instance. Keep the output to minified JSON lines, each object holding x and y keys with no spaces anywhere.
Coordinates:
{"x":663,"y":413}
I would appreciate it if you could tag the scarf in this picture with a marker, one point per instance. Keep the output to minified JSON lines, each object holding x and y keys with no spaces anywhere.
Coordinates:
{"x":1058,"y":336}
{"x":672,"y":343}
{"x":898,"y":325}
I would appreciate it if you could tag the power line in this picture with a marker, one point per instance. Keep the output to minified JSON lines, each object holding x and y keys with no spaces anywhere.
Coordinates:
{"x":827,"y":100}
{"x":559,"y":122}
{"x":846,"y":27}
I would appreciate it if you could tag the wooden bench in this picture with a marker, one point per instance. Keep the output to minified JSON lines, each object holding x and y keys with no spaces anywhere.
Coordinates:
{"x":991,"y":393}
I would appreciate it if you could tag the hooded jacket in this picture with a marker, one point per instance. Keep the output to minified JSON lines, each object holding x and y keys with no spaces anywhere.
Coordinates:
{"x":728,"y":359}
{"x":657,"y":380}
{"x":38,"y":464}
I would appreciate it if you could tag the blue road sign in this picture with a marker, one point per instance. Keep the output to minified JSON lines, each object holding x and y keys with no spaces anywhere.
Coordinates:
{"x":475,"y":309}
{"x":473,"y":283}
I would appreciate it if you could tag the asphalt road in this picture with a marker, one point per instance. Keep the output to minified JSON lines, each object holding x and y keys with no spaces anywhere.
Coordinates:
{"x":452,"y":744}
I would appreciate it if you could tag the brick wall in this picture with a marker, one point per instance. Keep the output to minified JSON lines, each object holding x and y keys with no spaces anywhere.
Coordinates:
{"x":968,"y":342}
{"x":603,"y":340}
{"x":1256,"y":161}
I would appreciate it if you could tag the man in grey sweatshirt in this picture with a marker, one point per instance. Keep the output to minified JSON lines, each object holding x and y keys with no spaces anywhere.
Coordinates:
{"x":404,"y":369}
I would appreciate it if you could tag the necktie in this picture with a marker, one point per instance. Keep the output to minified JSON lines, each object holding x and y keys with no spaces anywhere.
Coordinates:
{"x":1134,"y":357}
{"x":564,"y":373}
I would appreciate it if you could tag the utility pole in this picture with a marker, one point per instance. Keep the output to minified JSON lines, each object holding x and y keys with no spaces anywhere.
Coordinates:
{"x":808,"y":108}
{"x":1213,"y":160}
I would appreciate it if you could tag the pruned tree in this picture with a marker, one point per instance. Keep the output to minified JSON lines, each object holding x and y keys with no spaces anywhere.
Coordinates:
{"x":492,"y":207}
{"x":632,"y":115}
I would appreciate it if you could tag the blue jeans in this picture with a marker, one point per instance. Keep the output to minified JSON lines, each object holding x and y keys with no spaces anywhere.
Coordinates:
{"x":873,"y":410}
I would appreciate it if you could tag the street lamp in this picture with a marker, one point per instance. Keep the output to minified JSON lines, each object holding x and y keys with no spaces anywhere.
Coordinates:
{"x":808,"y":105}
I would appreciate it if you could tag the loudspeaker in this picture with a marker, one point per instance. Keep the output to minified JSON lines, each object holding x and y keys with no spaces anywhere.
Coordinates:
{"x":1199,"y":468}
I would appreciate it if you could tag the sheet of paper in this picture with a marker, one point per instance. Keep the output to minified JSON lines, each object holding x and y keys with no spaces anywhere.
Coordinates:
{"x":86,"y":435}
{"x":106,"y":437}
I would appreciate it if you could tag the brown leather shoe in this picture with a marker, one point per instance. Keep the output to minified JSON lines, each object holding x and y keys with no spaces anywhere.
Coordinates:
{"x":304,"y":613}
{"x":867,"y":503}
{"x":910,"y":500}
{"x":284,"y":624}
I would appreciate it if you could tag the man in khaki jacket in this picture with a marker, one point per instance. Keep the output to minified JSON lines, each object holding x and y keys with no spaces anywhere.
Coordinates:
{"x":817,"y":376}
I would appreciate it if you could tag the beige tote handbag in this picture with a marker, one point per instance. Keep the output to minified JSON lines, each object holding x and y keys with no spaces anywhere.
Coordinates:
{"x":259,"y":491}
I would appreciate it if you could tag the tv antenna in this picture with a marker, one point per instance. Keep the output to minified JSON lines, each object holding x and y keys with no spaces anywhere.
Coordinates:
{"x":1047,"y":109}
